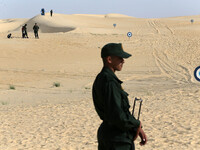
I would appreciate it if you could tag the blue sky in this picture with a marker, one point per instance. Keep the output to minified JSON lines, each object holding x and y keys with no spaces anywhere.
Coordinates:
{"x":135,"y":8}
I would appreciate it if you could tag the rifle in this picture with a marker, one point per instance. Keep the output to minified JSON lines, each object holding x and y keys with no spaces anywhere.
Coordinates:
{"x":143,"y":141}
{"x":140,"y":100}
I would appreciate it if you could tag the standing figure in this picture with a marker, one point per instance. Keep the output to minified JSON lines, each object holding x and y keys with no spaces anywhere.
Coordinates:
{"x":35,"y":29}
{"x":51,"y":13}
{"x":119,"y":128}
{"x":24,"y":31}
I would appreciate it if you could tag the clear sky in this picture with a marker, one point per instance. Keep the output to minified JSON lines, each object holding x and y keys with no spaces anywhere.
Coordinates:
{"x":135,"y":8}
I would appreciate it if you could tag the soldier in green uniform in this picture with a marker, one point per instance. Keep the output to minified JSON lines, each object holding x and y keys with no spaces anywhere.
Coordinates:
{"x":119,"y":128}
{"x":24,"y":31}
{"x":35,"y":29}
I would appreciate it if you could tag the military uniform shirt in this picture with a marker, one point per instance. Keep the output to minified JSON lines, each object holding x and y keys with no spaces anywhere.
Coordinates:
{"x":112,"y":105}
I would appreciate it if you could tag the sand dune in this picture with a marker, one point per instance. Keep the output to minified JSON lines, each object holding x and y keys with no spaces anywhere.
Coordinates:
{"x":49,"y":24}
{"x":8,"y":25}
{"x":65,"y":23}
{"x":37,"y":115}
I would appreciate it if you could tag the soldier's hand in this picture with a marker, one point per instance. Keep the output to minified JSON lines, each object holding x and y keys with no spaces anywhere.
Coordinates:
{"x":143,"y":137}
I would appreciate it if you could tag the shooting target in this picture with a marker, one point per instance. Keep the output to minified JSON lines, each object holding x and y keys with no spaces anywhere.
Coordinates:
{"x":197,"y":73}
{"x":129,"y":34}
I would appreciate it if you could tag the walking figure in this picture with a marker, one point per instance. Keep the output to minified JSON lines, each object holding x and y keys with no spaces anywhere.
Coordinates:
{"x":24,"y":31}
{"x":35,"y":29}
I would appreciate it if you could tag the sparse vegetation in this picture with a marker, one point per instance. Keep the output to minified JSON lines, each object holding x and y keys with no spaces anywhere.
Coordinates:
{"x":56,"y":84}
{"x":12,"y":87}
{"x":4,"y":103}
{"x":87,"y":88}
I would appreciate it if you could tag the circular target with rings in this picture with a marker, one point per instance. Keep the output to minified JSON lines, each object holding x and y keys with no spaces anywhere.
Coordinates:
{"x":129,"y":34}
{"x":197,"y":73}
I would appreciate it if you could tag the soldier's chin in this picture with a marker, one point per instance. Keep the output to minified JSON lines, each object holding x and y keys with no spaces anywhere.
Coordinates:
{"x":119,"y":68}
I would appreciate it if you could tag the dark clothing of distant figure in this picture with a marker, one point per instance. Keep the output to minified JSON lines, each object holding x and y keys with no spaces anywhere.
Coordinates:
{"x":24,"y":32}
{"x":42,"y":11}
{"x":35,"y":29}
{"x":9,"y":36}
{"x":51,"y":13}
{"x":119,"y":127}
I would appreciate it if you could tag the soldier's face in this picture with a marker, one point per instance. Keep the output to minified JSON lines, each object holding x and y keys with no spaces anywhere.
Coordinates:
{"x":117,"y":63}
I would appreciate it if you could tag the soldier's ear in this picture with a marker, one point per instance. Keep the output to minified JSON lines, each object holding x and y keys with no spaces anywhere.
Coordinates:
{"x":109,"y":59}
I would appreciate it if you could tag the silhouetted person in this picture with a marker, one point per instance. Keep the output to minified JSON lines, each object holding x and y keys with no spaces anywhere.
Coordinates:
{"x":9,"y":36}
{"x":42,"y":11}
{"x":24,"y":31}
{"x":35,"y":29}
{"x":51,"y":13}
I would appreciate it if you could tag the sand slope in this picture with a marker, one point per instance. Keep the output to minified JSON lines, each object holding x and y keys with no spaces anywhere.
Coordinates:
{"x":8,"y":25}
{"x":39,"y":116}
{"x":82,"y":22}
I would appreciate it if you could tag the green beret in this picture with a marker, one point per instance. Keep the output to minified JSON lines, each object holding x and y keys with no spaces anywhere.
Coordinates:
{"x":114,"y":49}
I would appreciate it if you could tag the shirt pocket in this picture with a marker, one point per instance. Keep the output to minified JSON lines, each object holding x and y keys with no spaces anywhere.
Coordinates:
{"x":125,"y":102}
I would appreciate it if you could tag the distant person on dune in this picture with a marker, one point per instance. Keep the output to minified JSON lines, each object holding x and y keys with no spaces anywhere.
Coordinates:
{"x":9,"y":36}
{"x":35,"y":29}
{"x":51,"y":13}
{"x":24,"y":31}
{"x":42,"y":11}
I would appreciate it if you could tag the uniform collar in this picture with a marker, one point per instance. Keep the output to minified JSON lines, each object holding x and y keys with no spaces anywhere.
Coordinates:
{"x":106,"y":69}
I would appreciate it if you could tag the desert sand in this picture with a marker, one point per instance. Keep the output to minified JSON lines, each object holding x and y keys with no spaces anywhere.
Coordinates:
{"x":37,"y":115}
